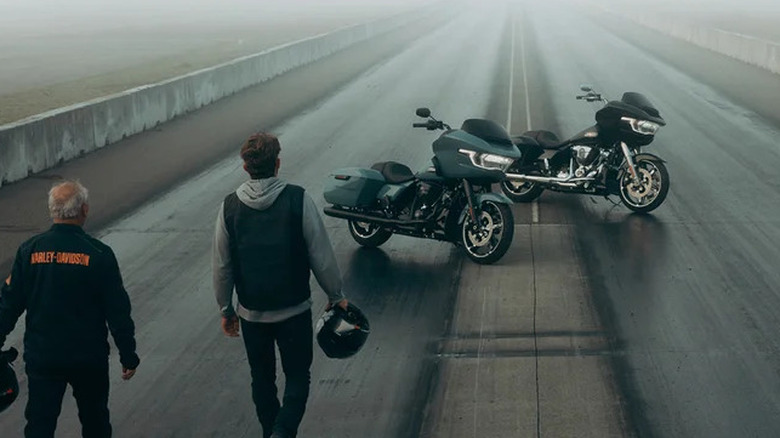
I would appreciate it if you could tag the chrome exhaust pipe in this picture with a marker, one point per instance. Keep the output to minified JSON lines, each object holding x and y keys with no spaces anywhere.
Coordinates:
{"x":341,"y":213}
{"x":563,"y":182}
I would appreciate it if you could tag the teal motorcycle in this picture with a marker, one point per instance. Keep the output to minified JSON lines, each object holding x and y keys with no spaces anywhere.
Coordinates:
{"x":450,"y":201}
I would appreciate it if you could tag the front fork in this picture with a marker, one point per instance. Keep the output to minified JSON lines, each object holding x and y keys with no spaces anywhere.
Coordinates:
{"x":469,"y":191}
{"x":629,"y":156}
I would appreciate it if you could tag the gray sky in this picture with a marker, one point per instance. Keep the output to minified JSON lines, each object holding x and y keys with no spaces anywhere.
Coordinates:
{"x":26,"y":15}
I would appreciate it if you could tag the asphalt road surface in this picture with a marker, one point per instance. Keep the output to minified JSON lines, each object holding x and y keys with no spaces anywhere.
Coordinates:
{"x":690,"y":293}
{"x":596,"y":322}
{"x":196,"y":381}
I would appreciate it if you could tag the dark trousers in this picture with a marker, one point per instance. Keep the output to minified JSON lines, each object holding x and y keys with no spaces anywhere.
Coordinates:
{"x":294,"y":338}
{"x":46,"y":387}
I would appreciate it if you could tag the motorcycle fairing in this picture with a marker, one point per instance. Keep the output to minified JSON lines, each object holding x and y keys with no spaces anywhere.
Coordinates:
{"x":487,"y":130}
{"x":452,"y":164}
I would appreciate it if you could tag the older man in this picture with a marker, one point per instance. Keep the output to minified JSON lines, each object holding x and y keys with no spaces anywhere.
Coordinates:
{"x":69,"y":284}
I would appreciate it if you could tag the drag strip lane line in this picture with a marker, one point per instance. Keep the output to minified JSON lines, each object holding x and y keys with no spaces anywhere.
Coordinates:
{"x":525,"y":80}
{"x":511,"y":81}
{"x":535,"y":203}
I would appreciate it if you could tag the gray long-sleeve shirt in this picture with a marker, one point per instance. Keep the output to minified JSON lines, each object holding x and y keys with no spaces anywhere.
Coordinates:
{"x":261,"y":194}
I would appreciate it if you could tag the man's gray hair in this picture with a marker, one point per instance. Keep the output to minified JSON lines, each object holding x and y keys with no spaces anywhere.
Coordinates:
{"x":66,"y":199}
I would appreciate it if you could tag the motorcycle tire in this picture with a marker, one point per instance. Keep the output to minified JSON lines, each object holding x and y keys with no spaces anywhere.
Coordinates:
{"x":481,"y":242}
{"x":368,"y":235}
{"x":653,"y":175}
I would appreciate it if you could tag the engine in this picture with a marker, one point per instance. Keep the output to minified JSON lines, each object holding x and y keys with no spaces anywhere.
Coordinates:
{"x":586,"y":159}
{"x":584,"y":155}
{"x":427,"y":196}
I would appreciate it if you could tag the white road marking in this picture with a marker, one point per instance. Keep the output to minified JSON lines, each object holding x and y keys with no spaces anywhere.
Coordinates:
{"x":534,"y":204}
{"x":525,"y":81}
{"x":511,"y":81}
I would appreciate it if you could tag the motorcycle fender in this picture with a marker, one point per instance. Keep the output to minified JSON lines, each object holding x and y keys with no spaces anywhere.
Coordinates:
{"x":482,"y":197}
{"x":648,"y":157}
{"x":492,"y":196}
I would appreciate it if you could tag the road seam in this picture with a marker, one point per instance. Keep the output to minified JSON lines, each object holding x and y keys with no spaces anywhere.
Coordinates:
{"x":479,"y":354}
{"x":535,"y":203}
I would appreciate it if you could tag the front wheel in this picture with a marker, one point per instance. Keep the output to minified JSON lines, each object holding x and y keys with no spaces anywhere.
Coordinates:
{"x":649,"y":190}
{"x":367,"y":234}
{"x":487,"y":240}
{"x":521,"y":191}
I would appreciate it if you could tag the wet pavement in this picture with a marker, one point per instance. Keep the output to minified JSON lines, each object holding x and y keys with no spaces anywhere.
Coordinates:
{"x":597,"y":322}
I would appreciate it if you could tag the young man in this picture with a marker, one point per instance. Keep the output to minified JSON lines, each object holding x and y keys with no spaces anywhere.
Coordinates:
{"x":70,"y":285}
{"x":269,"y":237}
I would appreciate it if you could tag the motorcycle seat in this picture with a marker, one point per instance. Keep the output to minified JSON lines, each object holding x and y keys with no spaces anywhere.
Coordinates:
{"x":546,"y":139}
{"x":394,"y":172}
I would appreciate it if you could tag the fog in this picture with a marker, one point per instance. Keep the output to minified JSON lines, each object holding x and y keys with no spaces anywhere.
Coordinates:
{"x":50,"y":16}
{"x":55,"y":53}
{"x":113,"y":45}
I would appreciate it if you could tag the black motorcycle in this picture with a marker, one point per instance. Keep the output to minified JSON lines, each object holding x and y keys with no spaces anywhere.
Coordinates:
{"x":604,"y":159}
{"x":450,"y":201}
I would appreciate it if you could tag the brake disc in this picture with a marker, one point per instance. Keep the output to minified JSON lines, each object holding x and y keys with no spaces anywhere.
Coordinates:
{"x":641,"y":190}
{"x":484,"y":231}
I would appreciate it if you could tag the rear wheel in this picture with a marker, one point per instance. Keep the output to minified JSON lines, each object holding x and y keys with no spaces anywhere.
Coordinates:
{"x":368,"y":234}
{"x":487,"y":240}
{"x":521,"y":191}
{"x":650,"y":189}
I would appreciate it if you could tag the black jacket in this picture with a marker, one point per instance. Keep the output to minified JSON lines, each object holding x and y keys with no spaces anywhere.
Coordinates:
{"x":70,"y":285}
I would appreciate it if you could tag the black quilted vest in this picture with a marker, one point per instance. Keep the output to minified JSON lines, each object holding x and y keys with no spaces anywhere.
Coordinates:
{"x":268,"y":252}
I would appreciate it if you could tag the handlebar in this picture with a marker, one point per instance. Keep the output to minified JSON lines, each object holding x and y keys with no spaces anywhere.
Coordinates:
{"x":431,"y":125}
{"x":592,"y":97}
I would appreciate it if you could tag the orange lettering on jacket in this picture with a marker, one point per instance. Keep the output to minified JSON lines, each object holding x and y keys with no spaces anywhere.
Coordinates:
{"x":62,"y":258}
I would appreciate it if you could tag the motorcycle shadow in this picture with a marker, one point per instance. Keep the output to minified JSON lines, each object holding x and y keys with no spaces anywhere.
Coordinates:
{"x":378,"y":279}
{"x":638,"y":245}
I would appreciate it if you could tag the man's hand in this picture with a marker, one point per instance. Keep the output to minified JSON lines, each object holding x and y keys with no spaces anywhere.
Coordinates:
{"x":9,"y":355}
{"x":343,"y":304}
{"x":127,"y":374}
{"x":230,"y":326}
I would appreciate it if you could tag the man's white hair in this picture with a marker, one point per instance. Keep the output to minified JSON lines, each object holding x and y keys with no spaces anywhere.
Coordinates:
{"x":66,"y":200}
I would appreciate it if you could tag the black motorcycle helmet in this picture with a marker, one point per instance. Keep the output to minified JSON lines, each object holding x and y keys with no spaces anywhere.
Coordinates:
{"x":9,"y":385}
{"x":342,"y":333}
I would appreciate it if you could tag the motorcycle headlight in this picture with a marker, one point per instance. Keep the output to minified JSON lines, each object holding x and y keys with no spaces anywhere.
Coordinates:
{"x":643,"y":127}
{"x":488,"y":161}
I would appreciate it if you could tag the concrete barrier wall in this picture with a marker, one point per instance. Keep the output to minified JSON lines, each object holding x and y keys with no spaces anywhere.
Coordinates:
{"x":752,"y":50}
{"x":45,"y":140}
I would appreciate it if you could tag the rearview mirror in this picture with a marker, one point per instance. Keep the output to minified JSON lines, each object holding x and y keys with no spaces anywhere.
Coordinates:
{"x":423,"y":112}
{"x":586,"y":88}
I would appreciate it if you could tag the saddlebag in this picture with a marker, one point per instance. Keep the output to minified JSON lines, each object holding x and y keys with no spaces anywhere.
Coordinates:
{"x":353,"y":187}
